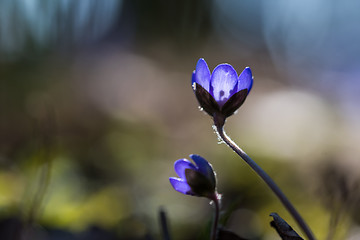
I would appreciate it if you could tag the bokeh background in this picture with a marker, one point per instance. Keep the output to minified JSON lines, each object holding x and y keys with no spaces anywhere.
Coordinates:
{"x":96,"y":105}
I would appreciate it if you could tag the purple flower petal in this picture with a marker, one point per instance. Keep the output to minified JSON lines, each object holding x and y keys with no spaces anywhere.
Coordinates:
{"x":245,"y":80}
{"x":180,"y":166}
{"x":193,"y":79}
{"x":223,"y":83}
{"x":180,"y":186}
{"x":201,"y":164}
{"x":202,"y":74}
{"x":204,"y":167}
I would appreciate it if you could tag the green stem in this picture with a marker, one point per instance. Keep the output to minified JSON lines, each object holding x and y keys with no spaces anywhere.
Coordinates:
{"x":267,"y":179}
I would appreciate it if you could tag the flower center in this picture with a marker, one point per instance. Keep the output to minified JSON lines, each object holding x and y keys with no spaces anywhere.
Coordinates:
{"x":221,"y":94}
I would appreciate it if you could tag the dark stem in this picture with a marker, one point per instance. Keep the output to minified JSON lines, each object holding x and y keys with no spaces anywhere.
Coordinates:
{"x":164,"y":224}
{"x":214,"y":231}
{"x":295,"y":214}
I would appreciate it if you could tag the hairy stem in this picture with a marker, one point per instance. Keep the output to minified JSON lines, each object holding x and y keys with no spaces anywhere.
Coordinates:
{"x":214,"y":230}
{"x":267,"y":179}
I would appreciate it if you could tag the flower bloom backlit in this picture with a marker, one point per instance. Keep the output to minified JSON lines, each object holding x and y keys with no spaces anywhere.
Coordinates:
{"x":223,"y":91}
{"x":195,"y":179}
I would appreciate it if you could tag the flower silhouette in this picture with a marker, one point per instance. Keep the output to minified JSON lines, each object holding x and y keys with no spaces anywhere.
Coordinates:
{"x":195,"y":179}
{"x":222,"y":92}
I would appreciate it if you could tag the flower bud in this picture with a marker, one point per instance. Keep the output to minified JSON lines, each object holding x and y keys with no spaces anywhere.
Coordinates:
{"x":197,"y":180}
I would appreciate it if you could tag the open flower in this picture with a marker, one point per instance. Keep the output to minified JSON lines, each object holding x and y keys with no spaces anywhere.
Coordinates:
{"x":222,"y":92}
{"x":195,"y":179}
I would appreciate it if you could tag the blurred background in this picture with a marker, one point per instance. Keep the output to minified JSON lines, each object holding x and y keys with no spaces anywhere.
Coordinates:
{"x":96,"y":105}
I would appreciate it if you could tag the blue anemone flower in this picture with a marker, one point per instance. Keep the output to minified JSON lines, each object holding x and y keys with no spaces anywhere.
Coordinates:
{"x":195,"y":179}
{"x":223,"y":91}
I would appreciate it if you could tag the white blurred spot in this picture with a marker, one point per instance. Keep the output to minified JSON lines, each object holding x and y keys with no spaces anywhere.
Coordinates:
{"x":290,"y":125}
